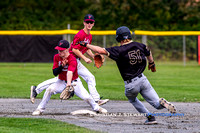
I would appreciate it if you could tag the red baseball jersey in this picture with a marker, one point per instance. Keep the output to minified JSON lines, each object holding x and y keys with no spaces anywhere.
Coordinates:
{"x":80,"y":36}
{"x":70,"y":66}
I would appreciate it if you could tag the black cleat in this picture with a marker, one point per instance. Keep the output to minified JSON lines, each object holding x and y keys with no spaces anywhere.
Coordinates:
{"x":150,"y":120}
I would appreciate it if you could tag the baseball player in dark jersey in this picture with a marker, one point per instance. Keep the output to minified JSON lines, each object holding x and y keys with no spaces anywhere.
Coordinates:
{"x":131,"y":60}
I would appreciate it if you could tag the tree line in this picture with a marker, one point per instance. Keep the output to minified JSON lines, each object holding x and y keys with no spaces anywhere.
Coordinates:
{"x":158,"y":15}
{"x":151,"y":15}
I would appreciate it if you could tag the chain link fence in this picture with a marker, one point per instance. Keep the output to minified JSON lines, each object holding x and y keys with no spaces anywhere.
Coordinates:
{"x":164,"y":48}
{"x":165,"y":45}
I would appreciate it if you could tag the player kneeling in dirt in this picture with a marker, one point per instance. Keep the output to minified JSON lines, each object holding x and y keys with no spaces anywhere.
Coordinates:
{"x":130,"y":58}
{"x":65,"y":66}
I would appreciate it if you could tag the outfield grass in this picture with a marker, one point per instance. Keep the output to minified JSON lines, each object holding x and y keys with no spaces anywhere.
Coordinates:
{"x":172,"y":80}
{"x":30,"y":125}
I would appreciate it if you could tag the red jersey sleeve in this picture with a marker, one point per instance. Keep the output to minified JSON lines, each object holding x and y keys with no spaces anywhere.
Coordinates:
{"x":75,"y":44}
{"x":55,"y":61}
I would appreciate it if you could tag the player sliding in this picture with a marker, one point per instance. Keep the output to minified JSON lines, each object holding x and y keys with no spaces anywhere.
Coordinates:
{"x":65,"y":66}
{"x":130,"y":58}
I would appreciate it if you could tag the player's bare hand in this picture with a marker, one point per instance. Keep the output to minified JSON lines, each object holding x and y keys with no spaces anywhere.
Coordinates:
{"x":64,"y":62}
{"x":88,"y":61}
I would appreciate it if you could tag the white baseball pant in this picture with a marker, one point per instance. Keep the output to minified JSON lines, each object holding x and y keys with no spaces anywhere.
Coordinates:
{"x":89,"y":78}
{"x":59,"y":86}
{"x":84,"y":73}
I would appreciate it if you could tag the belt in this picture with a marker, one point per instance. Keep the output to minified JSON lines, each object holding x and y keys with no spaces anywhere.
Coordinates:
{"x":135,"y":78}
{"x":72,"y":80}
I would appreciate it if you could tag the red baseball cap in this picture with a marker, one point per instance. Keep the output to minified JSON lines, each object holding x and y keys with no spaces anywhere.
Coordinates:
{"x":62,"y":45}
{"x":89,"y":17}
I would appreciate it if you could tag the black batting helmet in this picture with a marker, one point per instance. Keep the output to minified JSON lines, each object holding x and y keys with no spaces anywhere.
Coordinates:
{"x":123,"y":33}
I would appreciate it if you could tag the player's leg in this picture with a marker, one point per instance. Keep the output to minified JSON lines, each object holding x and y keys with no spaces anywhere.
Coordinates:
{"x":90,"y":79}
{"x":45,"y":84}
{"x":81,"y":92}
{"x":53,"y":89}
{"x":35,"y":90}
{"x":131,"y":91}
{"x":150,"y":95}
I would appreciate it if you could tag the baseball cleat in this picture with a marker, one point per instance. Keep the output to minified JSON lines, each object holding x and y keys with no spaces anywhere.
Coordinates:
{"x":33,"y":94}
{"x":102,"y":110}
{"x":101,"y":102}
{"x":37,"y":112}
{"x":150,"y":120}
{"x":169,"y":106}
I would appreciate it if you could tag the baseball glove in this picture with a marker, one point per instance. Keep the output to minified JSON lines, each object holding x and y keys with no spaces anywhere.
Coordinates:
{"x":152,"y":66}
{"x":98,"y":60}
{"x":67,"y":93}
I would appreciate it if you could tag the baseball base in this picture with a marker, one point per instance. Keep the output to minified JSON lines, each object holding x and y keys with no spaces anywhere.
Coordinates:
{"x":83,"y":112}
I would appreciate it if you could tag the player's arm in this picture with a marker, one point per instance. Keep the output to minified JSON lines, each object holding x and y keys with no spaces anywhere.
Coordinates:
{"x":151,"y":65}
{"x":97,"y":49}
{"x":69,"y":77}
{"x":80,"y":55}
{"x":58,"y":69}
{"x":89,"y":52}
{"x":150,"y":58}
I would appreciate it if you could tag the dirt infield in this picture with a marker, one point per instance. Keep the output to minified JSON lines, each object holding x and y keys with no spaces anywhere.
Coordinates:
{"x":122,"y":116}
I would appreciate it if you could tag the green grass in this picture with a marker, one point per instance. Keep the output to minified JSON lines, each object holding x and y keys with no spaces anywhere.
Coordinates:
{"x":172,"y":80}
{"x":30,"y":125}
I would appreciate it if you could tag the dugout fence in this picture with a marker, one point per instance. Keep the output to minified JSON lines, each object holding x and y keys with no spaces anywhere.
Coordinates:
{"x":38,"y":46}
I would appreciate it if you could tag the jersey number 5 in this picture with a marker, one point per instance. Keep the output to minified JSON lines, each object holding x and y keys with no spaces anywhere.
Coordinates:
{"x":134,"y":57}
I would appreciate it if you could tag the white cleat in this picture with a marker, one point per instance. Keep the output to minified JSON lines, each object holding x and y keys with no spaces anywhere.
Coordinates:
{"x":102,"y":111}
{"x":169,"y":106}
{"x":101,"y":102}
{"x":37,"y":112}
{"x":33,"y":94}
